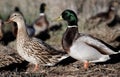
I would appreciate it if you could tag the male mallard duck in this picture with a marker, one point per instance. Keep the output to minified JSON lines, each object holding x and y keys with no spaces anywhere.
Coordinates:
{"x":1,"y":30}
{"x":81,"y":46}
{"x":34,"y":50}
{"x":41,"y":23}
{"x":108,"y":17}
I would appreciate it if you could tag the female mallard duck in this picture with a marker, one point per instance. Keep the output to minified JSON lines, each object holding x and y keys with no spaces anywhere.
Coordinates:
{"x":41,"y":24}
{"x":81,"y":46}
{"x":108,"y":17}
{"x":34,"y":50}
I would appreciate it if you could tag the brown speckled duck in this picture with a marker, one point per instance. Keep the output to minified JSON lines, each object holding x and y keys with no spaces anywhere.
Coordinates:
{"x":34,"y":50}
{"x":108,"y":16}
{"x":81,"y":46}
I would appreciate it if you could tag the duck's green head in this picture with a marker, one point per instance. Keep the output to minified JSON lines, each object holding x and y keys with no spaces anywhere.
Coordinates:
{"x":42,"y":8}
{"x":70,"y":17}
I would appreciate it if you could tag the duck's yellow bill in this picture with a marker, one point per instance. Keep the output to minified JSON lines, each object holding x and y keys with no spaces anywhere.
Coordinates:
{"x":58,"y":19}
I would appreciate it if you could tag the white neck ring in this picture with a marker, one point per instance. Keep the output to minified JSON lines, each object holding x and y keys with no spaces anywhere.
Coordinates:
{"x":71,"y":26}
{"x":42,"y":14}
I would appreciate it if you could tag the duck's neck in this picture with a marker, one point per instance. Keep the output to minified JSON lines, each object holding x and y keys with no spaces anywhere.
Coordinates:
{"x":21,"y":32}
{"x":42,"y":14}
{"x":42,"y":10}
{"x":69,"y":37}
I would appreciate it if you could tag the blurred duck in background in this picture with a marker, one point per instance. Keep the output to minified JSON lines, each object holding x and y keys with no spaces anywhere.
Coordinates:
{"x":41,"y":24}
{"x":109,"y":17}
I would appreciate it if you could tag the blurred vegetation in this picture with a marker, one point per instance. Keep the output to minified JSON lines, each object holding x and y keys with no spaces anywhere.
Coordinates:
{"x":30,"y":8}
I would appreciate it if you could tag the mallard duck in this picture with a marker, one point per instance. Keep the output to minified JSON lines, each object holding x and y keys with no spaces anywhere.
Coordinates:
{"x":41,"y":23}
{"x":34,"y":50}
{"x":1,"y":30}
{"x":82,"y":46}
{"x":108,"y":17}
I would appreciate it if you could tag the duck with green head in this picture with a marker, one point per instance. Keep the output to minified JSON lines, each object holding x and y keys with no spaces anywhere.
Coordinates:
{"x":81,"y":46}
{"x":41,"y":24}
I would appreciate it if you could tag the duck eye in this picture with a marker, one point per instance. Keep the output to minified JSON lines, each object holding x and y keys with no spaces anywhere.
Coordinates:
{"x":15,"y":15}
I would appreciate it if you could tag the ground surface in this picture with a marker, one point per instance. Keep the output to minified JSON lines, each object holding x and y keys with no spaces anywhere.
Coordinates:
{"x":71,"y":70}
{"x":66,"y":68}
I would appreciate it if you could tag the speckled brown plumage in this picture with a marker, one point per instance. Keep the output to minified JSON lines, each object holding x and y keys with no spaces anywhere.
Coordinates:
{"x":34,"y":50}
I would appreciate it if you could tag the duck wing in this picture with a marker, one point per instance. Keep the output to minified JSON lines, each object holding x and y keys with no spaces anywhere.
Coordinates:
{"x":44,"y":52}
{"x":98,"y":44}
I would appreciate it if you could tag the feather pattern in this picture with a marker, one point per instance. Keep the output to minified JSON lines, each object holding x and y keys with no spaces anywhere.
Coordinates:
{"x":34,"y":50}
